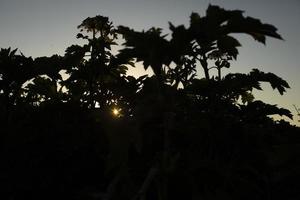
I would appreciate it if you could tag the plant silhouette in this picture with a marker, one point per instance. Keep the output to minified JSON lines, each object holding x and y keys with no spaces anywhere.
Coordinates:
{"x":78,"y":127}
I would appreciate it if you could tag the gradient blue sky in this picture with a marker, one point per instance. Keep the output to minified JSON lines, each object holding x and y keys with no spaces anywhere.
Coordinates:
{"x":46,"y":27}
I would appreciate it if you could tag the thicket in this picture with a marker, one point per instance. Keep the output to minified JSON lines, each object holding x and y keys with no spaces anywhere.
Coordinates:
{"x":78,"y":127}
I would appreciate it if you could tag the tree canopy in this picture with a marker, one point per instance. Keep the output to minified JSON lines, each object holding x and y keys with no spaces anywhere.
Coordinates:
{"x":78,"y":127}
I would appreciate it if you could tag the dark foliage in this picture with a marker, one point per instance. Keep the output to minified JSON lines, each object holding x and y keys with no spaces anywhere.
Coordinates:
{"x":78,"y":127}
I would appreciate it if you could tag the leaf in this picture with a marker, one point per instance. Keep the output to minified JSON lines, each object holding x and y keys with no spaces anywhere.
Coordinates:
{"x":180,"y":43}
{"x":275,"y":81}
{"x":45,"y":88}
{"x":80,"y":35}
{"x":247,"y":97}
{"x":194,"y":18}
{"x":97,"y":23}
{"x":228,"y":45}
{"x":148,"y":46}
{"x":219,"y":15}
{"x":259,"y":108}
{"x":49,"y":66}
{"x":253,"y":27}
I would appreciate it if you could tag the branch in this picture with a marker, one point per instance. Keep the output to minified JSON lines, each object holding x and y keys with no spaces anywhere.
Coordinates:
{"x":112,"y":185}
{"x":151,"y":174}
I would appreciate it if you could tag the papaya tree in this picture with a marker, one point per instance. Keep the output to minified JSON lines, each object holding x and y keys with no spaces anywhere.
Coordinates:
{"x":171,"y":136}
{"x":196,"y":108}
{"x":93,"y":70}
{"x":212,"y":35}
{"x":15,"y":70}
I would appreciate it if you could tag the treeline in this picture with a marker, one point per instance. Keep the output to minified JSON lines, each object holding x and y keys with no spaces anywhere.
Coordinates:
{"x":78,"y":127}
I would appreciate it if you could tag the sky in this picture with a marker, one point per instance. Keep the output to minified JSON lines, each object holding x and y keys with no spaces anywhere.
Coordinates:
{"x":47,"y":27}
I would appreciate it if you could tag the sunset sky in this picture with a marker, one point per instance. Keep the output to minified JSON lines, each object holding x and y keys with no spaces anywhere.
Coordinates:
{"x":47,"y":27}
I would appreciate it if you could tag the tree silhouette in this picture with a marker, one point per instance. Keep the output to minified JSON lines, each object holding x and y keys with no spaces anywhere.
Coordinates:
{"x":212,"y":39}
{"x":174,"y":136}
{"x":92,"y":80}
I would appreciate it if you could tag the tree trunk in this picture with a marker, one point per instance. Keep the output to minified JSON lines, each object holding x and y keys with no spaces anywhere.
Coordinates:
{"x":204,"y":65}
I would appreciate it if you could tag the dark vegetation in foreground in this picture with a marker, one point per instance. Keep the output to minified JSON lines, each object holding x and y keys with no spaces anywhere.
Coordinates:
{"x":101,"y":134}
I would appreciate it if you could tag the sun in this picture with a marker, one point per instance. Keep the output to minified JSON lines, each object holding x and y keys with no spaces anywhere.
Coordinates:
{"x":116,"y":112}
